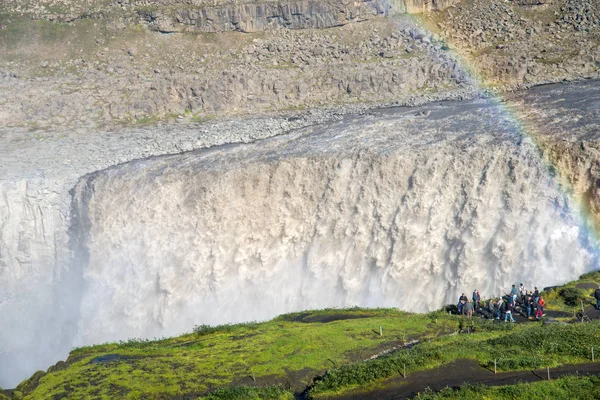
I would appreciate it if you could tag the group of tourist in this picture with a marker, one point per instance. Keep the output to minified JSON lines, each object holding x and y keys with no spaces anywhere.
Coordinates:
{"x":526,"y":300}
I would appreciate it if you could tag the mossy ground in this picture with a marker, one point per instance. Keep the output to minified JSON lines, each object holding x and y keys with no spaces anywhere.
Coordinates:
{"x":278,"y":358}
{"x":289,"y":350}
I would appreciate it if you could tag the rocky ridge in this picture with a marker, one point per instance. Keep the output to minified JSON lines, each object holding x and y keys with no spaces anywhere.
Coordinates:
{"x":111,"y":64}
{"x":379,"y":61}
{"x":525,"y":42}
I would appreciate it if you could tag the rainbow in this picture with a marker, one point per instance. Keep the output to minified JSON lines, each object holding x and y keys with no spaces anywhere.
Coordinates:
{"x":522,"y":127}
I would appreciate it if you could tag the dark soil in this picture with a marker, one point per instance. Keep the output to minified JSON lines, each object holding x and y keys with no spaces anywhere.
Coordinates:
{"x":107,"y":358}
{"x":592,"y":312}
{"x":557,"y":314}
{"x":587,"y":286}
{"x":460,"y":372}
{"x":311,"y":318}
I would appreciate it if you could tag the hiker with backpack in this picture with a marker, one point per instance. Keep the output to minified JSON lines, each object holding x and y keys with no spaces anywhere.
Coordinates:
{"x":522,"y":293}
{"x":597,"y":297}
{"x":491,"y":309}
{"x":529,"y":304}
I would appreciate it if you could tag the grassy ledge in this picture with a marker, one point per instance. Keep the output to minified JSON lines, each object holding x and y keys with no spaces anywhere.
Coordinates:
{"x":331,"y":353}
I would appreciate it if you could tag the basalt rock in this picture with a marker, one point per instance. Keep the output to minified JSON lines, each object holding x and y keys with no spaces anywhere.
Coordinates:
{"x":259,"y":16}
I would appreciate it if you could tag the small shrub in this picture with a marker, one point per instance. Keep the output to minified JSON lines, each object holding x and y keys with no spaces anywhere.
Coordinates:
{"x":141,"y":343}
{"x":451,"y":308}
{"x":203,"y":329}
{"x":521,"y":362}
{"x":250,"y":393}
{"x":594,"y":275}
{"x":571,"y":296}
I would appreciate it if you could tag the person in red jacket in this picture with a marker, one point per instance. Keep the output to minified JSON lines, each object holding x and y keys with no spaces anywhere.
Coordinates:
{"x":540,"y":310}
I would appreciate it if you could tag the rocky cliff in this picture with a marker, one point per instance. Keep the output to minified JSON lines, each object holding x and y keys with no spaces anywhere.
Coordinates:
{"x":157,"y":76}
{"x":111,"y":64}
{"x":260,"y":16}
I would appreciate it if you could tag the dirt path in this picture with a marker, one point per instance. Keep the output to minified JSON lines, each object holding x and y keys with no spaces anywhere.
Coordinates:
{"x":464,"y":371}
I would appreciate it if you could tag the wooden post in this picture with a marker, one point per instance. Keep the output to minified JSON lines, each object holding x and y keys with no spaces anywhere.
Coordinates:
{"x":592,"y":353}
{"x":380,"y":331}
{"x":405,"y":370}
{"x":582,"y":311}
{"x":548,"y":369}
{"x":436,"y":321}
{"x":494,"y":366}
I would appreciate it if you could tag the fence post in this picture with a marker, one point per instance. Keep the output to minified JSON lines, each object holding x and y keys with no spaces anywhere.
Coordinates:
{"x":405,"y":370}
{"x":592,"y":353}
{"x":494,"y":366}
{"x":380,"y":331}
{"x":548,"y":369}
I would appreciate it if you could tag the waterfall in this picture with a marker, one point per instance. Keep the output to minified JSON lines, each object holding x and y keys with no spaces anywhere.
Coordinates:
{"x":362,"y":212}
{"x":399,"y":207}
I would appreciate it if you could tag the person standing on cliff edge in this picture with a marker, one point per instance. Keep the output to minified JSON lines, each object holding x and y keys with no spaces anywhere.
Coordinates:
{"x":476,"y":299}
{"x":597,"y":297}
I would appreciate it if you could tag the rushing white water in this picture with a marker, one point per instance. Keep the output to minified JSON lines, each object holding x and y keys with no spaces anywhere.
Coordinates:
{"x":403,"y":207}
{"x":364,"y":212}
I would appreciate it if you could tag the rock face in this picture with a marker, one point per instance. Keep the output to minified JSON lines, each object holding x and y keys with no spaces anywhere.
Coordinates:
{"x":260,"y":16}
{"x":525,"y":42}
{"x":379,"y":61}
{"x":107,"y":67}
{"x":255,"y":17}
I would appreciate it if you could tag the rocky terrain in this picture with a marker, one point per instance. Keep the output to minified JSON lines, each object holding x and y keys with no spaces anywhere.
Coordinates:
{"x":105,"y":62}
{"x":524,"y":42}
{"x":144,"y":79}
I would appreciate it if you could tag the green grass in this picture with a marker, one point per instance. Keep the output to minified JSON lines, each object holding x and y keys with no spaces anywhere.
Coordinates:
{"x":567,"y":388}
{"x":514,"y":347}
{"x":277,"y":358}
{"x":251,"y":393}
{"x":291,"y":350}
{"x":555,"y":298}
